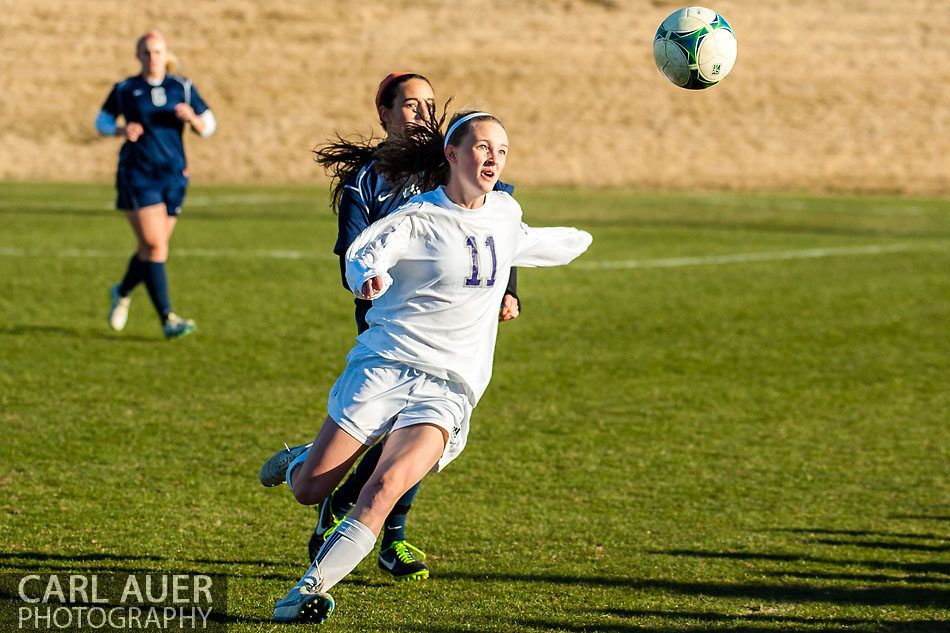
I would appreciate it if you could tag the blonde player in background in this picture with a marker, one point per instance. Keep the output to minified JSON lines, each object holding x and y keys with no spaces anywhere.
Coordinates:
{"x":152,"y":176}
{"x":436,"y":271}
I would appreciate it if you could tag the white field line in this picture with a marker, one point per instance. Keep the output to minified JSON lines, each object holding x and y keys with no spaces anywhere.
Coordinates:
{"x":766,"y":256}
{"x":196,"y":201}
{"x":176,"y":252}
{"x":668,"y":262}
{"x":207,"y":201}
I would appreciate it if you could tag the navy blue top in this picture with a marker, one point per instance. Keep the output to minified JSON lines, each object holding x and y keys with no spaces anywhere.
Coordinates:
{"x":159,"y":151}
{"x":367,"y":198}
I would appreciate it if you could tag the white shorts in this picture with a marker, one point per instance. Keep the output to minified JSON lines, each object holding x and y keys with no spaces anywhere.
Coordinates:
{"x":374,"y":396}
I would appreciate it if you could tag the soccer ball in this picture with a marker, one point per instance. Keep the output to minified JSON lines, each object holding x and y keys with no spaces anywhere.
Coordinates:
{"x":695,"y":48}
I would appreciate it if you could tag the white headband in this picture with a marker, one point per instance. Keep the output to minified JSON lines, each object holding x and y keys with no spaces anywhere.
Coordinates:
{"x":455,"y":125}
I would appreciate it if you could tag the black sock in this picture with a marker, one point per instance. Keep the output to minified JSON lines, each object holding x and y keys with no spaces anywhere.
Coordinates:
{"x":157,"y":284}
{"x":133,"y":276}
{"x":395,"y":527}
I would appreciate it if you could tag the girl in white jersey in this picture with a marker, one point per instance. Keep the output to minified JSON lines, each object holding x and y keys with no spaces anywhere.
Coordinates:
{"x":436,"y":271}
{"x":361,"y":196}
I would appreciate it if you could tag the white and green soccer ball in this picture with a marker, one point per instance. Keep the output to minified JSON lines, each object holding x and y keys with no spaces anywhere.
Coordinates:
{"x":695,"y":48}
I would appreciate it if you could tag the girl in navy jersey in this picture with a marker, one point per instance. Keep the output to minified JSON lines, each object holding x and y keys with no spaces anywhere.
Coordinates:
{"x":361,"y":196}
{"x":436,"y":271}
{"x":152,"y":176}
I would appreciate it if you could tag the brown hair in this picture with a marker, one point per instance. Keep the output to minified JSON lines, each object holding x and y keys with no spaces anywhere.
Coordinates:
{"x":420,"y":153}
{"x":386,"y":93}
{"x":342,"y":159}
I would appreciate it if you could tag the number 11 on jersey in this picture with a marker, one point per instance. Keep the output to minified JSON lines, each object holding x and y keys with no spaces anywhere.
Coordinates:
{"x":474,"y":280}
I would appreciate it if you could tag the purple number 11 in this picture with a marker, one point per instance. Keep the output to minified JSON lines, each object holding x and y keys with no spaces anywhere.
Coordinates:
{"x":474,"y":279}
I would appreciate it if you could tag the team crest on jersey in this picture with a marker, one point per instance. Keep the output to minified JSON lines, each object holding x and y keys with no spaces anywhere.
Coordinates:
{"x":158,"y":97}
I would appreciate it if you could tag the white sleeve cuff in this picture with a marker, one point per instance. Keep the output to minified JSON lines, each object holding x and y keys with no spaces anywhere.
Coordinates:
{"x":211,"y":124}
{"x":105,"y":123}
{"x":366,"y":276}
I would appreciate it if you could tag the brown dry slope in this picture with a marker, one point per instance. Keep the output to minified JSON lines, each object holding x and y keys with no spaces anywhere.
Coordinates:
{"x":826,"y":95}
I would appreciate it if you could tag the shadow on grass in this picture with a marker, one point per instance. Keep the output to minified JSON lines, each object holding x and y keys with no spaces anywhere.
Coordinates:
{"x":919,"y":547}
{"x":921,"y":585}
{"x":611,"y":620}
{"x":216,"y":612}
{"x":755,"y":622}
{"x":905,"y":568}
{"x":46,"y":557}
{"x":907,"y":535}
{"x":903,"y":588}
{"x":919,"y":517}
{"x":44,"y":561}
{"x":916,"y":597}
{"x":21,"y":330}
{"x":680,"y":622}
{"x":846,"y":577}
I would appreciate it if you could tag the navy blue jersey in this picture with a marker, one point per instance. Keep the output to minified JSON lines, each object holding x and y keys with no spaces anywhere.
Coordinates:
{"x":159,"y":151}
{"x":367,"y":198}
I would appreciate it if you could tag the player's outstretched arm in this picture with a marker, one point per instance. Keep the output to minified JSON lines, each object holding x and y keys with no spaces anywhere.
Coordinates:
{"x":550,"y":246}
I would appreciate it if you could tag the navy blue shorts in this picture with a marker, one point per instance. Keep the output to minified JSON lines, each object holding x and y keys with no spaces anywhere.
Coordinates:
{"x":140,"y":193}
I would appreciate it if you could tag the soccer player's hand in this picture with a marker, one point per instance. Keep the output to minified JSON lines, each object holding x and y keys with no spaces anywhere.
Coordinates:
{"x":509,"y":309}
{"x":185,"y":112}
{"x":372,"y":287}
{"x":133,"y":131}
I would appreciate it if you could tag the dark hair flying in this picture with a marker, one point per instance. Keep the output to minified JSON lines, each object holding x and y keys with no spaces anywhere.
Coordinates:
{"x":342,"y":160}
{"x":419,"y":155}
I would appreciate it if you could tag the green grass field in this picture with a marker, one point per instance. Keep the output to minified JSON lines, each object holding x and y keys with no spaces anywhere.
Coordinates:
{"x":731,"y":414}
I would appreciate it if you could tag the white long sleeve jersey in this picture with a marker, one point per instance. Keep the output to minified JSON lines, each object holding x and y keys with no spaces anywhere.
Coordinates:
{"x":444,"y":270}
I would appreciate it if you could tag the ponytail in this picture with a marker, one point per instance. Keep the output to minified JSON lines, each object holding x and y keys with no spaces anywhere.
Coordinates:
{"x":417,"y":156}
{"x":420,"y":154}
{"x":343,"y":159}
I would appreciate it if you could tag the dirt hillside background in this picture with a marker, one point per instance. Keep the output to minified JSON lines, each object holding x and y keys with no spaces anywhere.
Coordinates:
{"x":826,"y":95}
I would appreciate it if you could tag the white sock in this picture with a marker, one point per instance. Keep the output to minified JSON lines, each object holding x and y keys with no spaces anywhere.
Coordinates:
{"x":341,"y":553}
{"x":293,"y":465}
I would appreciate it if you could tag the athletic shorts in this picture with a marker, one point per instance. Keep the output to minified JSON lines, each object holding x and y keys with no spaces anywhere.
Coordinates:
{"x":374,"y":396}
{"x":133,"y":194}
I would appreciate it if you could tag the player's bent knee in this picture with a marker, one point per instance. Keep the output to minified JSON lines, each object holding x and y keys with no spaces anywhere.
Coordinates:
{"x":310,"y":491}
{"x":308,"y":494}
{"x":152,"y":252}
{"x":303,"y":495}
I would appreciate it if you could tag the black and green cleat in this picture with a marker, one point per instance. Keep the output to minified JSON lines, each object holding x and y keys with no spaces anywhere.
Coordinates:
{"x":403,"y":561}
